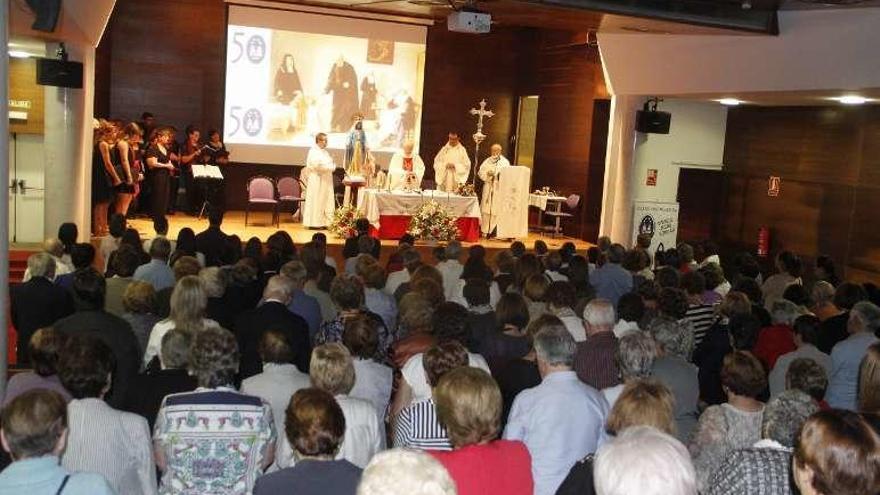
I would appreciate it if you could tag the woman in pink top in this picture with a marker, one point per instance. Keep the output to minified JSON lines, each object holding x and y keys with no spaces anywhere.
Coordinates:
{"x":469,"y":405}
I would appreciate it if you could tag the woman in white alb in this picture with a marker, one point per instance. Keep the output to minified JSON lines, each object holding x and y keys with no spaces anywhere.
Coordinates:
{"x":318,"y":179}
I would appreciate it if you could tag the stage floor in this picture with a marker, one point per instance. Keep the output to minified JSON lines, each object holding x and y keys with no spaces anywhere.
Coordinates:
{"x":259,"y":225}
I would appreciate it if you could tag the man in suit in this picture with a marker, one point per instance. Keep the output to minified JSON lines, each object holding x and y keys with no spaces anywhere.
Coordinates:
{"x":89,"y":292}
{"x":212,"y":241}
{"x":272,"y":314}
{"x":37,"y":303}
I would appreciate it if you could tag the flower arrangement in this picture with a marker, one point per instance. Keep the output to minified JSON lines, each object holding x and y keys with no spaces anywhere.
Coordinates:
{"x":343,"y":221}
{"x":545,"y":191}
{"x":465,"y":189}
{"x":433,"y":222}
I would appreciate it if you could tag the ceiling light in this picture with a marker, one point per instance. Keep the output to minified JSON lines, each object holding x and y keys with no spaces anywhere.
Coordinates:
{"x":19,"y":54}
{"x":731,"y":102}
{"x":851,"y":99}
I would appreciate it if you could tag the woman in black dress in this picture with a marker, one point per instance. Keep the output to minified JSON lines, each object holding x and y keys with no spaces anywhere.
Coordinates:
{"x":125,"y":167}
{"x":287,"y":83}
{"x":159,"y":164}
{"x":104,"y":175}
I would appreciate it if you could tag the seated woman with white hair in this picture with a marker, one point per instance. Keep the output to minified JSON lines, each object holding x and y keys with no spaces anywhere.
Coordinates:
{"x":644,"y":461}
{"x":405,"y":472}
{"x":847,"y":355}
{"x":766,"y":466}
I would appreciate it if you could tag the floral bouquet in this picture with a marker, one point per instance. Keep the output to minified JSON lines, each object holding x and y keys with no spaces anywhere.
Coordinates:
{"x":433,"y":222}
{"x":465,"y":189}
{"x":545,"y":191}
{"x":343,"y":221}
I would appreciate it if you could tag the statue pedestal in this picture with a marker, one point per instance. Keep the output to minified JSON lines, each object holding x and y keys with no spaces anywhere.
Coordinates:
{"x":352,"y":183}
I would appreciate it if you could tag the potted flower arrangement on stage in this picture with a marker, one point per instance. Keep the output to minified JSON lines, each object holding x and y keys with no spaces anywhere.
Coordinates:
{"x":433,"y":222}
{"x":343,"y":221}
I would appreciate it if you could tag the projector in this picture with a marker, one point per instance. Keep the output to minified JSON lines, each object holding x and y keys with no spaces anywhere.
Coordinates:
{"x":469,"y":22}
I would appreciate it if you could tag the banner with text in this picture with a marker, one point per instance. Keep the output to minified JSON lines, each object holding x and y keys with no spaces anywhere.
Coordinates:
{"x":659,"y":220}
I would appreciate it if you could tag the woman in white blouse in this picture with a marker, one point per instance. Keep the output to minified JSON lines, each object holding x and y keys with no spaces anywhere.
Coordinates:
{"x":188,"y":304}
{"x":103,"y":440}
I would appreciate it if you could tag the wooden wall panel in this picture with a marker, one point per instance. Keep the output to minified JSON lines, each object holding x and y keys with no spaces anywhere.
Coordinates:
{"x":23,"y":88}
{"x":829,"y":162}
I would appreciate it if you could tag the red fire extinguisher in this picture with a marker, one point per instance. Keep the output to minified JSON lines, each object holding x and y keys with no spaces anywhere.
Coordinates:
{"x":763,"y":241}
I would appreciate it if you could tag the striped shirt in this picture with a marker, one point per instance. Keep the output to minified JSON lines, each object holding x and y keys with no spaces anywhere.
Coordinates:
{"x":417,"y":427}
{"x":701,"y":317}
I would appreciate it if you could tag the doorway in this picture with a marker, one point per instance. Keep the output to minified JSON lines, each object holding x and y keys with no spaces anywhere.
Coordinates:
{"x":26,"y":193}
{"x":699,"y":194}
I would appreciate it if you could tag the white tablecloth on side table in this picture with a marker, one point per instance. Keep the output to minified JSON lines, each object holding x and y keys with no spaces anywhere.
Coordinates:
{"x":540,"y":201}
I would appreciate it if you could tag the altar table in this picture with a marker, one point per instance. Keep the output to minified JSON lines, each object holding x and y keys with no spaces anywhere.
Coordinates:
{"x":389,"y":212}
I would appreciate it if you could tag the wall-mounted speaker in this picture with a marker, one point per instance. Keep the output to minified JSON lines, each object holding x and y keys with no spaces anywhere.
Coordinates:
{"x":653,"y":121}
{"x":54,"y":72}
{"x":46,"y":12}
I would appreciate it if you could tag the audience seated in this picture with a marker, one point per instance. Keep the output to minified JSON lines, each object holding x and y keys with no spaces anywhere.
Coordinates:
{"x":869,"y":381}
{"x":481,"y":316}
{"x":34,"y":431}
{"x":125,"y":262}
{"x":347,"y":293}
{"x":55,"y":249}
{"x":560,"y":298}
{"x":212,"y":241}
{"x":111,"y":242}
{"x":183,"y":267}
{"x":507,"y":340}
{"x":838,"y":452}
{"x":671,"y":367}
{"x":375,"y":299}
{"x":778,"y":339}
{"x":405,"y":472}
{"x":450,"y":269}
{"x":864,"y":322}
{"x":373,"y":380}
{"x":44,"y":350}
{"x":415,"y":329}
{"x":535,"y":292}
{"x":519,"y":374}
{"x":634,"y":358}
{"x":37,"y":303}
{"x":332,"y":370}
{"x":157,"y":272}
{"x":160,"y":227}
{"x":411,"y":261}
{"x":233,"y":439}
{"x":736,"y":424}
{"x":272,"y":314}
{"x":278,"y":381}
{"x":302,"y":304}
{"x":630,"y":311}
{"x":315,"y":428}
{"x":700,"y":313}
{"x":469,"y":406}
{"x":709,"y":355}
{"x":562,"y":419}
{"x":423,"y":272}
{"x":765,"y":467}
{"x":102,"y":439}
{"x":82,"y":255}
{"x":644,"y":461}
{"x":171,"y":377}
{"x":214,"y":280}
{"x":366,"y":248}
{"x":186,"y":246}
{"x":417,"y":425}
{"x":594,"y":362}
{"x":313,"y":258}
{"x":611,"y":280}
{"x":806,"y":336}
{"x":809,"y":377}
{"x":188,"y":303}
{"x":91,"y":320}
{"x":834,"y":328}
{"x":789,"y":268}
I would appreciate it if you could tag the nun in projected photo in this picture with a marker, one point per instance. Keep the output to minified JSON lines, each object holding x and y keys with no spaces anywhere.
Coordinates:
{"x":343,"y":82}
{"x":288,"y":92}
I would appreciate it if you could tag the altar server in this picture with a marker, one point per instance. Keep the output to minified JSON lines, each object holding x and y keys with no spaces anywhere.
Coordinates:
{"x":451,"y":165}
{"x":318,"y":178}
{"x":406,"y":168}
{"x":488,"y":173}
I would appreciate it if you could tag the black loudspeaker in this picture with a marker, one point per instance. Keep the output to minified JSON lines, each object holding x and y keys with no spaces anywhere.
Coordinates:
{"x":46,"y":12}
{"x":53,"y":72}
{"x":653,"y":121}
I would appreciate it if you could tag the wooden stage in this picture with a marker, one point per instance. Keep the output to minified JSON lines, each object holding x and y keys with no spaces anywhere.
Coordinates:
{"x":259,"y":225}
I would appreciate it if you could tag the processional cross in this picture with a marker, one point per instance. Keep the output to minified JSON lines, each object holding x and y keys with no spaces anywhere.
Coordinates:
{"x":478,"y":136}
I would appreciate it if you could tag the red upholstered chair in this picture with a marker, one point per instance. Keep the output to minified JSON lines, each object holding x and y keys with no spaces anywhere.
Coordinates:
{"x":261,"y":191}
{"x":571,"y":205}
{"x":290,"y":191}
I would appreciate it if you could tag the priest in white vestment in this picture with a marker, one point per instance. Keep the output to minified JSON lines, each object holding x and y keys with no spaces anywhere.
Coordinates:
{"x":406,"y":169}
{"x":318,"y":179}
{"x":490,"y":207}
{"x":451,"y":165}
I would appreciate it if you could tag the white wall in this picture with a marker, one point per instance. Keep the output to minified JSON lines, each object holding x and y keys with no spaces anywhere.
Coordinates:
{"x":695,"y":139}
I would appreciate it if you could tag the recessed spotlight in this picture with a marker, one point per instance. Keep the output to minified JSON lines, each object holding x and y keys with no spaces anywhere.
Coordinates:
{"x":19,"y":54}
{"x":731,"y":102}
{"x":851,"y":99}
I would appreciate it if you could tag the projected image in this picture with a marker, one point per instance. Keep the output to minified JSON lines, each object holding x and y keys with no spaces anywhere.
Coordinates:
{"x":283,"y":87}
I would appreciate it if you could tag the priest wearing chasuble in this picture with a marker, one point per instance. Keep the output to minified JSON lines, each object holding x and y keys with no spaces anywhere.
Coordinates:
{"x":490,"y":206}
{"x":318,"y":179}
{"x":451,"y":165}
{"x":406,"y":169}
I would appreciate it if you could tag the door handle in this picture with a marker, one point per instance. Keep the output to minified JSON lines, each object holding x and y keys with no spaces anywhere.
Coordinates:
{"x":13,"y":186}
{"x":22,"y":187}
